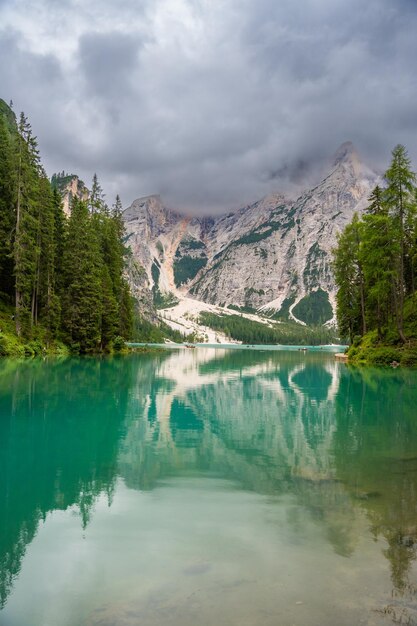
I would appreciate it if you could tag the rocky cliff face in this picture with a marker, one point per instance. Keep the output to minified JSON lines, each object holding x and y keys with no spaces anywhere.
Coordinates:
{"x":70,"y":187}
{"x":273,"y":255}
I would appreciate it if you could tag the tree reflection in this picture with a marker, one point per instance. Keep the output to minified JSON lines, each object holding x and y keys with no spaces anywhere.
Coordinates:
{"x":340,"y":442}
{"x":376,"y":457}
{"x":60,"y":429}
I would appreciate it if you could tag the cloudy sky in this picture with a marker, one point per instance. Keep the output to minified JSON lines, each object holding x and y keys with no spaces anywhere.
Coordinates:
{"x":211,"y":103}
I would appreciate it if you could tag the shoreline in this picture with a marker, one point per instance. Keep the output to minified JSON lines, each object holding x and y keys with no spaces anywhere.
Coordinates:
{"x":328,"y":348}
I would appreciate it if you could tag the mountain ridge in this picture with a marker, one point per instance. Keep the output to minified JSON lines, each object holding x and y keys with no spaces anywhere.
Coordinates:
{"x":266,"y":256}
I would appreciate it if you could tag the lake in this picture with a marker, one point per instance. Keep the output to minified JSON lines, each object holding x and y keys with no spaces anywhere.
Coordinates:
{"x":207,"y":487}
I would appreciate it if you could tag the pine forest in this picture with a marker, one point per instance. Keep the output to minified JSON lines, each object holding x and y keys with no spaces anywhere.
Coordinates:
{"x":62,"y":281}
{"x":375,"y":267}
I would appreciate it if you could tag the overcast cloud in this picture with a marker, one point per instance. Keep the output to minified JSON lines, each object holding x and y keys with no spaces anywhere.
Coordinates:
{"x":212,"y":103}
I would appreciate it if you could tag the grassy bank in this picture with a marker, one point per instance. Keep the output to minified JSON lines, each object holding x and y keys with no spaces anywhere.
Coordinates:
{"x":387,"y":348}
{"x":369,"y":350}
{"x":12,"y":345}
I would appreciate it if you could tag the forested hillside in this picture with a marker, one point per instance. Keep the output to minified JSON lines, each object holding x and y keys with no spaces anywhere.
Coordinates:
{"x":275,"y":332}
{"x":375,"y":265}
{"x":61,"y":279}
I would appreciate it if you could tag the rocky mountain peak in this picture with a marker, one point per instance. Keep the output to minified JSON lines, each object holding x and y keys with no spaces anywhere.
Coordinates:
{"x":273,"y":255}
{"x":345,"y":152}
{"x":347,"y":160}
{"x":70,"y":186}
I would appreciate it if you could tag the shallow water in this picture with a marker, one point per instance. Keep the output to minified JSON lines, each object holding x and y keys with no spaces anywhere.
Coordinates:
{"x":209,"y":487}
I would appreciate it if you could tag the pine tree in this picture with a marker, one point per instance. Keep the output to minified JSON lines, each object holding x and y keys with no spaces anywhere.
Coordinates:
{"x":26,"y":248}
{"x":122,"y":286}
{"x":48,"y":304}
{"x":399,"y":197}
{"x":96,"y":200}
{"x":82,"y":281}
{"x":379,"y":251}
{"x":7,"y":209}
{"x":349,"y":277}
{"x":60,"y":229}
{"x":110,"y":315}
{"x":126,"y":312}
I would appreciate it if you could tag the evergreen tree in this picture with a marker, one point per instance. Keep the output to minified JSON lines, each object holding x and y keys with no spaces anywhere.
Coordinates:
{"x":60,"y":228}
{"x":110,"y":315}
{"x":126,"y":316}
{"x":349,"y":277}
{"x":121,"y":285}
{"x":47,"y":304}
{"x":96,"y":200}
{"x":7,"y":209}
{"x":82,"y":281}
{"x":26,"y":247}
{"x":400,"y":199}
{"x":376,"y":257}
{"x":379,"y":251}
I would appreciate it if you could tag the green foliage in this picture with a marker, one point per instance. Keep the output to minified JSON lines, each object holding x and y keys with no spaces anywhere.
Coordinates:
{"x":118,"y":343}
{"x":316,"y":265}
{"x":82,"y":273}
{"x":62,"y":279}
{"x":255,"y":236}
{"x":160,"y":249}
{"x":190,"y":257}
{"x":61,"y":180}
{"x":279,"y":221}
{"x":384,"y":355}
{"x":249,"y":291}
{"x":409,"y":358}
{"x":248,"y":331}
{"x":242,"y":309}
{"x":161,"y":300}
{"x":375,"y":266}
{"x":165,"y":300}
{"x":376,"y":349}
{"x":284,"y":312}
{"x":8,"y":116}
{"x":7,"y":208}
{"x":146,"y":332}
{"x":314,"y":308}
{"x":26,"y":248}
{"x":187,"y":267}
{"x":265,"y":230}
{"x":12,"y":345}
{"x":189,"y":244}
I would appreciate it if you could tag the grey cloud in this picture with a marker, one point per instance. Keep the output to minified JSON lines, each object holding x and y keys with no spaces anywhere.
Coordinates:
{"x":216,"y":104}
{"x":107,"y":61}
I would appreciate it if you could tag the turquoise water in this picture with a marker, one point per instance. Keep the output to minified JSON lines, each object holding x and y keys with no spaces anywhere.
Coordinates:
{"x":207,"y":487}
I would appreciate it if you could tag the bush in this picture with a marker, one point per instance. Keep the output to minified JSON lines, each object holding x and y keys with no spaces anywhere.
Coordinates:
{"x":10,"y":346}
{"x":409,"y":358}
{"x":34,"y":348}
{"x":392,"y":337}
{"x":384,"y":356}
{"x":118,"y":343}
{"x":352,"y":352}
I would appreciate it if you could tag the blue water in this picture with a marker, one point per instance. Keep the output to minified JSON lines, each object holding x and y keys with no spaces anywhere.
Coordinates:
{"x":206,"y":487}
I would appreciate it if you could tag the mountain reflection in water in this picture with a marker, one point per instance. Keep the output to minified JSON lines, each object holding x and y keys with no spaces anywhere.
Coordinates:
{"x":338,"y":446}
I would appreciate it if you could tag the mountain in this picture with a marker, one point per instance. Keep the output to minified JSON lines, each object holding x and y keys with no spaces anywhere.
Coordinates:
{"x":70,"y":186}
{"x":272,"y":256}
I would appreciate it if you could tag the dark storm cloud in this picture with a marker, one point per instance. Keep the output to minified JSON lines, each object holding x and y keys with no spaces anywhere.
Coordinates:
{"x":211,"y":104}
{"x":107,"y":60}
